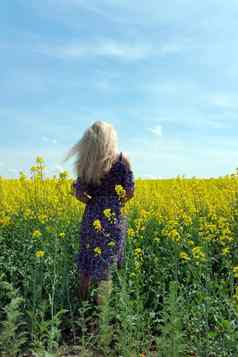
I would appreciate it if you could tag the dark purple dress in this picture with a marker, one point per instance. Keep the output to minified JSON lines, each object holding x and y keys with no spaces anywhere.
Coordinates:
{"x":103,"y":233}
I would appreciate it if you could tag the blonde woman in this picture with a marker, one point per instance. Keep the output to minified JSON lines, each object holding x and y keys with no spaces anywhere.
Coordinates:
{"x":104,"y":183}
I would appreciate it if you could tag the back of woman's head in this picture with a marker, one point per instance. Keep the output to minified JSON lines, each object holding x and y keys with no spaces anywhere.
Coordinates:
{"x":96,"y":151}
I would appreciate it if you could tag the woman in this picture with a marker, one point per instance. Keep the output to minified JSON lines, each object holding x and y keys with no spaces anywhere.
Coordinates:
{"x":105,"y":182}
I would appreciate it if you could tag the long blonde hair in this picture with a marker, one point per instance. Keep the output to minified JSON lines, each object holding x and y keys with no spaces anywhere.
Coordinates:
{"x":96,"y":152}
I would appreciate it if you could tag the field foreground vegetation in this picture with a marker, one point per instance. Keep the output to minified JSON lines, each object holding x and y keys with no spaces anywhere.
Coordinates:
{"x":176,"y":294}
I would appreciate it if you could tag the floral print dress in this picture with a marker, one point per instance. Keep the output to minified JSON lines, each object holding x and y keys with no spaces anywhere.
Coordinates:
{"x":103,"y":227}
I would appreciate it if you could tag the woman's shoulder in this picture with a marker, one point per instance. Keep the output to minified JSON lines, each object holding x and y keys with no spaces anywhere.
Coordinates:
{"x":122,"y":162}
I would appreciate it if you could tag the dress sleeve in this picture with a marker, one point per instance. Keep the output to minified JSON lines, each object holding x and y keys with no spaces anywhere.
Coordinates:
{"x":81,"y":190}
{"x":126,"y":179}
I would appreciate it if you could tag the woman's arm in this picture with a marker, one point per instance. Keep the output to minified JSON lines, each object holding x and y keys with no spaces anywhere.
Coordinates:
{"x":129,"y":182}
{"x":79,"y":194}
{"x":83,"y":197}
{"x":128,"y":196}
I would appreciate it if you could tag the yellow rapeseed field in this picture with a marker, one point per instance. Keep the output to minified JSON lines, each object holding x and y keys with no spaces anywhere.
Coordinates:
{"x":180,"y":229}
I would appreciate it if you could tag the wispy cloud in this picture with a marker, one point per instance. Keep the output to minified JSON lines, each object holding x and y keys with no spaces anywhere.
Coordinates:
{"x":124,"y":11}
{"x":58,"y":168}
{"x":216,"y":124}
{"x":12,"y":170}
{"x":157,"y":130}
{"x":49,"y":140}
{"x":224,"y":100}
{"x":138,"y":67}
{"x":151,"y":177}
{"x":108,"y":48}
{"x":98,"y":10}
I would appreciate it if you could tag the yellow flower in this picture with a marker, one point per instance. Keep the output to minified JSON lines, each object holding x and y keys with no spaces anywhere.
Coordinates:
{"x":225,"y":251}
{"x":40,"y":253}
{"x":111,"y":243}
{"x":36,"y":234}
{"x":62,"y":235}
{"x":144,"y":213}
{"x":110,"y":215}
{"x":138,"y":253}
{"x":131,"y":233}
{"x":235,"y":271}
{"x":97,"y":225}
{"x":186,"y":219}
{"x":198,"y":253}
{"x":5,"y":221}
{"x":98,"y":250}
{"x":34,"y":168}
{"x":184,"y":256}
{"x":121,"y":192}
{"x":27,"y":213}
{"x":174,"y":235}
{"x":40,"y":160}
{"x":107,"y":212}
{"x":42,"y":218}
{"x":137,"y":265}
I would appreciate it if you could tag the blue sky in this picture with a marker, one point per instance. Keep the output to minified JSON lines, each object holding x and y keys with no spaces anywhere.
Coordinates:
{"x":165,"y":74}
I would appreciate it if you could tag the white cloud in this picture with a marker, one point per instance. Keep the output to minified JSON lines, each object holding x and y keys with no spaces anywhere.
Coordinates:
{"x":127,"y":12}
{"x":108,"y":48}
{"x":224,"y":100}
{"x":176,"y":87}
{"x":105,"y":48}
{"x":152,"y":177}
{"x":157,"y":130}
{"x":170,"y":48}
{"x":48,"y":140}
{"x":59,"y":168}
{"x":218,"y":124}
{"x":171,"y":156}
